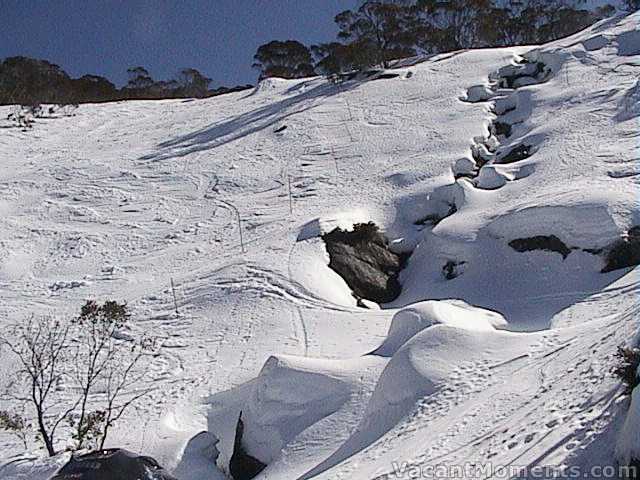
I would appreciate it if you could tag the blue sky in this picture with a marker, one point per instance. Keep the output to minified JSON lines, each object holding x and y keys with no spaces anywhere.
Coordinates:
{"x":218,"y":37}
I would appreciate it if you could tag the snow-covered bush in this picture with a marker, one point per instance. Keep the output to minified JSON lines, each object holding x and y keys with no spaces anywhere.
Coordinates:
{"x":22,"y":116}
{"x":15,"y":424}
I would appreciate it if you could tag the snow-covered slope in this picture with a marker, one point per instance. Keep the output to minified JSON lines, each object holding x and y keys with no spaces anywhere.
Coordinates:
{"x":512,"y":367}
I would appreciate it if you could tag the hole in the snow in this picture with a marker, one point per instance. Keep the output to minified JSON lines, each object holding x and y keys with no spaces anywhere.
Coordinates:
{"x":549,"y":243}
{"x":480,"y":155}
{"x":535,"y":71}
{"x":521,"y":152}
{"x":434,"y":219}
{"x":243,"y":466}
{"x":498,"y":128}
{"x":452,"y":269}
{"x":386,"y":76}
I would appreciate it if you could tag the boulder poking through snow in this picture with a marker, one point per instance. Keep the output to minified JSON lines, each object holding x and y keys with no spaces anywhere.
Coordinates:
{"x":112,"y":464}
{"x":624,"y":252}
{"x":243,"y":466}
{"x":363,"y":259}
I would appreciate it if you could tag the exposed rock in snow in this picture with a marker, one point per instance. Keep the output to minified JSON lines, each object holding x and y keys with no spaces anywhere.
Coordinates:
{"x":363,"y":259}
{"x":522,"y":74}
{"x":464,"y":167}
{"x":624,"y":252}
{"x":491,"y":177}
{"x":343,"y":220}
{"x":112,"y":464}
{"x":501,"y":128}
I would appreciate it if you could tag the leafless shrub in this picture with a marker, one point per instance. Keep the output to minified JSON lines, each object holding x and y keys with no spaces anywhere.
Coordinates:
{"x":79,"y":372}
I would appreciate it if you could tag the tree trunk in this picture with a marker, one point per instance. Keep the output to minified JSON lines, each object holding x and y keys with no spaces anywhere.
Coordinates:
{"x":46,"y":439}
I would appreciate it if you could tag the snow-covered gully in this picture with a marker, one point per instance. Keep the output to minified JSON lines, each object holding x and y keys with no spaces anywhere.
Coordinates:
{"x":440,"y":329}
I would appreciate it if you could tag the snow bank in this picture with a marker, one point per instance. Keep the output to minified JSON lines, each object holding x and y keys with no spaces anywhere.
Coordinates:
{"x":580,"y":225}
{"x":422,"y":375}
{"x":628,"y":443}
{"x":310,"y":268}
{"x":411,"y":320}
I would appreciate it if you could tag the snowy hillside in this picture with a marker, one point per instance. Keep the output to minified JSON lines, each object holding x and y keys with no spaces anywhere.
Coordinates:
{"x":508,"y":174}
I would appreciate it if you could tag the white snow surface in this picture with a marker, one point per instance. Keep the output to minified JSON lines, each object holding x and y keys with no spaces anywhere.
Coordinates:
{"x":508,"y":363}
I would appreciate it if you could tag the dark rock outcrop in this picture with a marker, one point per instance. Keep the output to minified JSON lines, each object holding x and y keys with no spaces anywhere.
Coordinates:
{"x":243,"y":466}
{"x":624,"y":253}
{"x":549,"y":243}
{"x":112,"y":464}
{"x":365,"y":262}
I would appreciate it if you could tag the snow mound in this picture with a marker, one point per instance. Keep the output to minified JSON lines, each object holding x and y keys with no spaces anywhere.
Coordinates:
{"x":198,"y":458}
{"x":410,"y":321}
{"x":478,"y":93}
{"x":272,"y":85}
{"x":289,"y":395}
{"x":630,"y":104}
